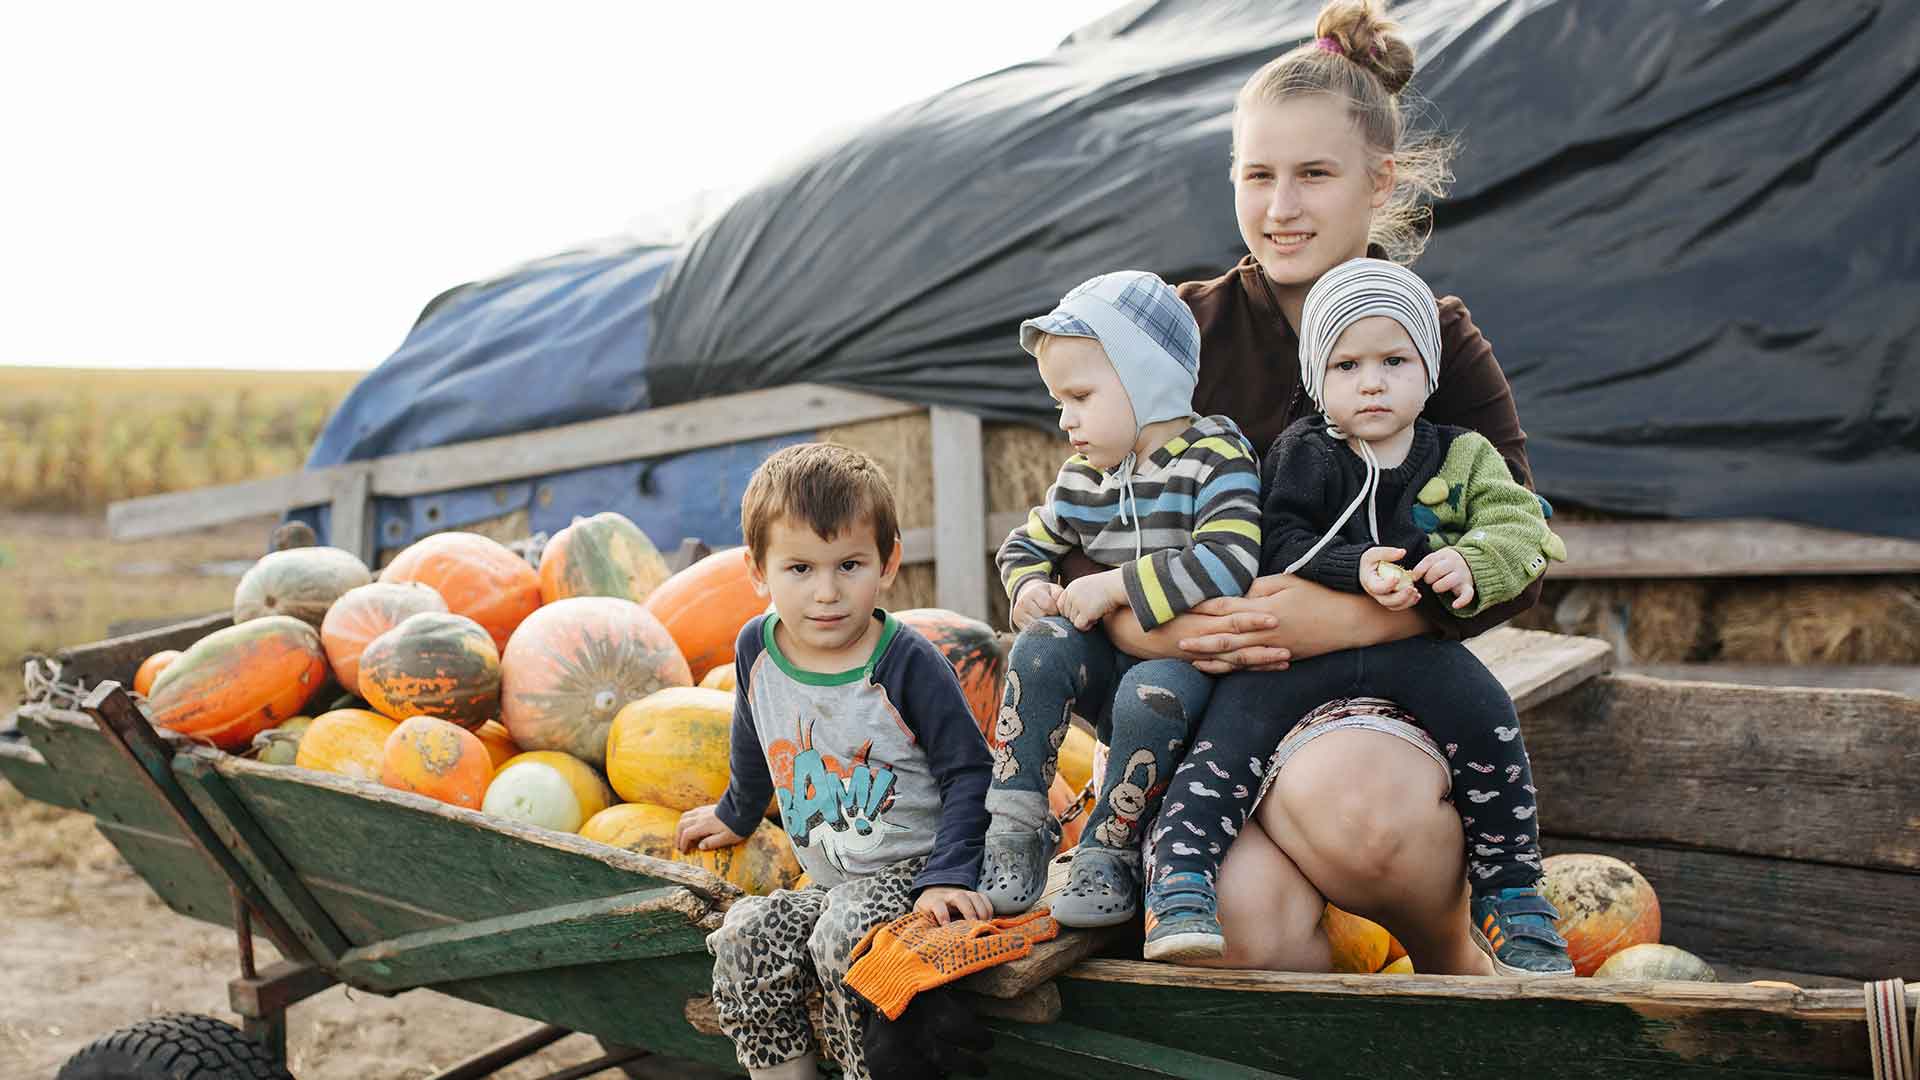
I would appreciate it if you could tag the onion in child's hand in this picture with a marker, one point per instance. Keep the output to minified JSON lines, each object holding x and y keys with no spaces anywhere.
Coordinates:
{"x":1391,"y":574}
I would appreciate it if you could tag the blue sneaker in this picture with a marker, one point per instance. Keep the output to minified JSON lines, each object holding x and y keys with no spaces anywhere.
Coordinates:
{"x":1514,"y":927}
{"x":1183,"y":923}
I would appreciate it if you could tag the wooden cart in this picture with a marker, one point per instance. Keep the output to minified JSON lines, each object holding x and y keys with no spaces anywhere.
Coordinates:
{"x":388,"y":891}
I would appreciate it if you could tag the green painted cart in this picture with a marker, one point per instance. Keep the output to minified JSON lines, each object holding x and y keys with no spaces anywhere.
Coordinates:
{"x":387,"y":891}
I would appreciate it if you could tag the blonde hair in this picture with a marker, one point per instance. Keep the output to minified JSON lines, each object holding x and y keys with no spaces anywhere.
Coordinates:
{"x":825,"y":487}
{"x":1359,"y":57}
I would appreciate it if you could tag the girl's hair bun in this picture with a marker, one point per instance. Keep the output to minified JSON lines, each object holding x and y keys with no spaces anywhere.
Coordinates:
{"x":1364,"y":34}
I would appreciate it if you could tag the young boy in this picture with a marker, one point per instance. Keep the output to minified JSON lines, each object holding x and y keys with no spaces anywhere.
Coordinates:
{"x":860,"y":730}
{"x":1369,"y":358}
{"x":1170,"y":501}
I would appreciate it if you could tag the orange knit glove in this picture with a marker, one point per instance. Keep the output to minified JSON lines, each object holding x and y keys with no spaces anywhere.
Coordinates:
{"x":914,"y":953}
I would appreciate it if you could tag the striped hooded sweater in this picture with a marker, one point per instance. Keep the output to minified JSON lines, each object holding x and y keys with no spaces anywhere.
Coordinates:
{"x":1190,"y":529}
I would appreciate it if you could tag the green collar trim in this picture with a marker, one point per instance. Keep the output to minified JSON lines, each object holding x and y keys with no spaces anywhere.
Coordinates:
{"x":889,"y":626}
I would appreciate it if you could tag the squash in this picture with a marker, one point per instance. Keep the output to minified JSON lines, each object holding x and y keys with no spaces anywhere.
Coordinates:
{"x":1076,"y":757}
{"x":301,"y":582}
{"x":704,"y":607}
{"x":670,"y":748}
{"x":428,"y":756}
{"x":547,"y":788}
{"x":150,"y":669}
{"x":500,"y":745}
{"x":477,"y":577}
{"x":365,"y":613}
{"x":280,"y":745}
{"x":602,"y":555}
{"x":721,"y":678}
{"x":575,"y":663}
{"x":970,"y":646}
{"x":1650,"y":960}
{"x":1605,"y":906}
{"x":763,"y":863}
{"x":348,"y":742}
{"x":1360,"y":946}
{"x":239,"y":681}
{"x":433,"y":664}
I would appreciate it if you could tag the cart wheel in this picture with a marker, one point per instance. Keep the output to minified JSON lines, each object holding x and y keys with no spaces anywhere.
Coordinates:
{"x":180,"y":1046}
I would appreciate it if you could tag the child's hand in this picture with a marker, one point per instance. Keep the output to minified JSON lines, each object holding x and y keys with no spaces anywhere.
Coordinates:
{"x":939,"y":900}
{"x":1090,"y":597}
{"x":701,"y":828}
{"x":1035,"y":602}
{"x":1446,"y":570}
{"x":1386,"y":581}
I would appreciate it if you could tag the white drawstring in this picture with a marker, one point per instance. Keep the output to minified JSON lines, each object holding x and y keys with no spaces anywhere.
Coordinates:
{"x":1127,"y":496}
{"x":1367,"y":491}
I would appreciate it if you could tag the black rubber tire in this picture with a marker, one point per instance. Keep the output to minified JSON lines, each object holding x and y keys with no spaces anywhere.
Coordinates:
{"x":179,"y":1046}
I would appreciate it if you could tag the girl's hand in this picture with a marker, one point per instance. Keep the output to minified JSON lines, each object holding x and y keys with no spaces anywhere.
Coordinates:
{"x":1386,"y":581}
{"x":1091,"y":597}
{"x":701,"y":828}
{"x":1446,"y":570}
{"x":947,"y":902}
{"x":1035,"y":601}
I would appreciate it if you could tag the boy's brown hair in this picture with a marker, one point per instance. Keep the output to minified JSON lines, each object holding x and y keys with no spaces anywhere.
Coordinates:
{"x":823,"y":486}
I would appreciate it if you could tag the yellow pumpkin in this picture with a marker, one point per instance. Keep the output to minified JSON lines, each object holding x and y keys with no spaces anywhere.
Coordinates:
{"x":720,"y":678}
{"x":670,"y":747}
{"x":1076,"y":758}
{"x":1359,"y":945}
{"x":762,"y":864}
{"x":351,"y":742}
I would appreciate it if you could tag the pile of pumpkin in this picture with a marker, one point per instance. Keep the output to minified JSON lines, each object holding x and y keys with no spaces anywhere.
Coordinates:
{"x":592,"y":695}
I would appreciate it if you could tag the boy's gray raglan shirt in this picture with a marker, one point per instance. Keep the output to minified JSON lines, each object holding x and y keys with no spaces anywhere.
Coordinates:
{"x":870,"y":766}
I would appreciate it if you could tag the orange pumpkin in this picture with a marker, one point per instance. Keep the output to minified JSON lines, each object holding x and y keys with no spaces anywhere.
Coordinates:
{"x":500,"y":745}
{"x":602,"y":555}
{"x":970,"y":646}
{"x":1605,"y":906}
{"x":477,"y":577}
{"x":348,"y":742}
{"x":704,"y":607}
{"x":433,"y":664}
{"x":443,"y":761}
{"x":365,"y":613}
{"x":301,"y":582}
{"x":576,"y":663}
{"x":1360,"y":946}
{"x":150,"y":669}
{"x":239,"y":681}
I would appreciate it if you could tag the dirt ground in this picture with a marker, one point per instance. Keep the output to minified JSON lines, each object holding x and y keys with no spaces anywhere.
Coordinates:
{"x":85,"y":946}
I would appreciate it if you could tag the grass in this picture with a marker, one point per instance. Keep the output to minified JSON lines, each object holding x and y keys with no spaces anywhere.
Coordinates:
{"x":77,"y":439}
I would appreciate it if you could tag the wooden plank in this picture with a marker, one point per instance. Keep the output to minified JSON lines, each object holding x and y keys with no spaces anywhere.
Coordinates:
{"x":1074,"y":1050}
{"x":1536,"y":666}
{"x":959,"y":512}
{"x":916,"y":545}
{"x":249,"y":846}
{"x":350,"y":519}
{"x":633,"y":926}
{"x":670,"y":429}
{"x":1823,"y":775}
{"x":1898,"y":678}
{"x":1365,"y":1027}
{"x":117,"y":658}
{"x":1733,"y":547}
{"x":1746,"y":910}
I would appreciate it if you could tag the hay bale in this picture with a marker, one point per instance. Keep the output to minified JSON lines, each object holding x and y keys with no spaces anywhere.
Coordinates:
{"x":903,"y":447}
{"x":1022,"y":462}
{"x":1661,"y":621}
{"x":1839,"y":620}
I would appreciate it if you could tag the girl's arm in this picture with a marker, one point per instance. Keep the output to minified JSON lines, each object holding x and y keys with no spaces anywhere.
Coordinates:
{"x":1280,"y":619}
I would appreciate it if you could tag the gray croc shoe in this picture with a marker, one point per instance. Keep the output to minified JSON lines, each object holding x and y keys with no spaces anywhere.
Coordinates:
{"x":1013,"y":869}
{"x":1103,"y":889}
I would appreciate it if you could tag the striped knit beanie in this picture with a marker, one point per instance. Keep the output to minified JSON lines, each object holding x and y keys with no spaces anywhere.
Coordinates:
{"x":1359,"y":289}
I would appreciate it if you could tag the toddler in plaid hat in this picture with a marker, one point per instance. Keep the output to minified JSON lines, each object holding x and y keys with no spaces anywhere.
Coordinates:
{"x":1169,"y":502}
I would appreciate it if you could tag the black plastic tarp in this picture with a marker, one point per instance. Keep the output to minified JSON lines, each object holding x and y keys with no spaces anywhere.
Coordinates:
{"x":1687,"y":228}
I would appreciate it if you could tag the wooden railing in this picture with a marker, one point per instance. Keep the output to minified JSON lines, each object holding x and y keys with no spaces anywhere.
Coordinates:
{"x":962,"y":530}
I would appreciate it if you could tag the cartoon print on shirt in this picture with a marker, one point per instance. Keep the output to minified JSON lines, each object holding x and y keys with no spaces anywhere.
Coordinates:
{"x":834,"y":807}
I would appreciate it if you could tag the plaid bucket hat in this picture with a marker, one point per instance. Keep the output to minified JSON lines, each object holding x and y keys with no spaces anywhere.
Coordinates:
{"x":1148,"y":333}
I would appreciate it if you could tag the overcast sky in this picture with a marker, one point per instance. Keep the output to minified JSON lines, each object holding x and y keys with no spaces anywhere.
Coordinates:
{"x":266,"y":185}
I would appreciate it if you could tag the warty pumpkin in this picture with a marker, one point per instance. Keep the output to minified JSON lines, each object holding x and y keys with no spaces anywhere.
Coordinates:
{"x":362,"y":614}
{"x":670,"y":748}
{"x":239,"y":681}
{"x":575,"y":663}
{"x":761,"y":864}
{"x":433,"y":664}
{"x":704,"y":607}
{"x":602,"y":555}
{"x":429,"y":756}
{"x":973,"y":650}
{"x":478,"y":577}
{"x":301,"y":582}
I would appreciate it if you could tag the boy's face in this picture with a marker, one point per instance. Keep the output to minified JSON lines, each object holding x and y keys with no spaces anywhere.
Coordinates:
{"x":1095,"y":411}
{"x":1376,"y":383}
{"x":824,"y":590}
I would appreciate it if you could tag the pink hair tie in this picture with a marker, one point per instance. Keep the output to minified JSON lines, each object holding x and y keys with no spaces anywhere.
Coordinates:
{"x":1332,"y":45}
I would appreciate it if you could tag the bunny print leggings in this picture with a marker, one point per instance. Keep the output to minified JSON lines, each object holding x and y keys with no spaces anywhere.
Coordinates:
{"x":1144,"y":710}
{"x":1455,"y":698}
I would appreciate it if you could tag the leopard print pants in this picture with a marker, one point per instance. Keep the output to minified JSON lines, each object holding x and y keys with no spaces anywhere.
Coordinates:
{"x":773,"y":952}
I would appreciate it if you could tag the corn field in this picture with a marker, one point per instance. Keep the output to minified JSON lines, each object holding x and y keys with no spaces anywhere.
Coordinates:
{"x":73,"y":439}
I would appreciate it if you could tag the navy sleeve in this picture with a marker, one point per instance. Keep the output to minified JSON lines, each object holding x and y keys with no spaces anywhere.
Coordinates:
{"x":749,"y":781}
{"x":935,"y":710}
